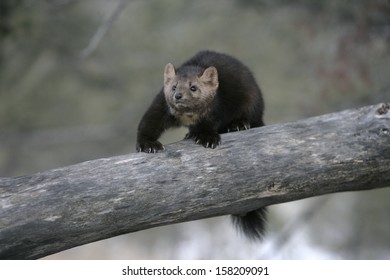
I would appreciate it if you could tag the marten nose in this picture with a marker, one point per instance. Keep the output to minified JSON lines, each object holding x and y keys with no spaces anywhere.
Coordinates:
{"x":178,"y":95}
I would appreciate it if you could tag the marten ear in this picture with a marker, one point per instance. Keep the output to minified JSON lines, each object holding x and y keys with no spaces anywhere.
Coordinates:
{"x":169,"y":73}
{"x":210,"y":77}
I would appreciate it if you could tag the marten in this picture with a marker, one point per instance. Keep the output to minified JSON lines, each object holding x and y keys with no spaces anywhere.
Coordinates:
{"x":211,"y":93}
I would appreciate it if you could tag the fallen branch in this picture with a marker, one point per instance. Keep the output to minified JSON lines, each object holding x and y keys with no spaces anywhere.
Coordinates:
{"x":51,"y":211}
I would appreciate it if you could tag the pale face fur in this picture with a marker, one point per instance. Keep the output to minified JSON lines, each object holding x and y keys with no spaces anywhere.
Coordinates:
{"x":189,"y":96}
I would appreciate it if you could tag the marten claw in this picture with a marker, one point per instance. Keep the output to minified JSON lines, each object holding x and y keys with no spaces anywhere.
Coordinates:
{"x":149,"y":147}
{"x":237,"y":126}
{"x":206,"y":140}
{"x":213,"y":146}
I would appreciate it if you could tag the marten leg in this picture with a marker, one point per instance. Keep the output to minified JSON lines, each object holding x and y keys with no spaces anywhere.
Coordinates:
{"x":238,"y":124}
{"x":204,"y":134}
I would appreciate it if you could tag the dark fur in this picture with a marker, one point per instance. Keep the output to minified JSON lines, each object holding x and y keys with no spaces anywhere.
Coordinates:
{"x":230,"y":103}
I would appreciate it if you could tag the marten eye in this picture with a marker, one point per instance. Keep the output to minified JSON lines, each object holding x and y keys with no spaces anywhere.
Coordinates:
{"x":173,"y":87}
{"x":193,"y":88}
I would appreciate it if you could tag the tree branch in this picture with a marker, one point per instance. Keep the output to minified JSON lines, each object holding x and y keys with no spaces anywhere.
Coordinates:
{"x":103,"y":28}
{"x":51,"y":211}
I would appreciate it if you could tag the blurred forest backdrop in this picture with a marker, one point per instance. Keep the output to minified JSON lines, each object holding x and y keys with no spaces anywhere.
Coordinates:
{"x":62,"y":103}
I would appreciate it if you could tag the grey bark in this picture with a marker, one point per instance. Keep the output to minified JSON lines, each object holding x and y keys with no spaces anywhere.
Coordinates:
{"x":51,"y":211}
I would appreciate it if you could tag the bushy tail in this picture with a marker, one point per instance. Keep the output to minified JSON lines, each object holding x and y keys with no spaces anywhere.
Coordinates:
{"x":252,"y":224}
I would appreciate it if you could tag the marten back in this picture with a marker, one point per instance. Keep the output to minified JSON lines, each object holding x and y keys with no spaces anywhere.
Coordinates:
{"x":238,"y":100}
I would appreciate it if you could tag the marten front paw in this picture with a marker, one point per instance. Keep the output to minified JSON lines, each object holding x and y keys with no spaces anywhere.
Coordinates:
{"x":207,"y":140}
{"x":149,"y":147}
{"x":238,"y":125}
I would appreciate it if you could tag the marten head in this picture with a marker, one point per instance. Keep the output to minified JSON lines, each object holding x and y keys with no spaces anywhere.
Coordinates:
{"x":189,"y":91}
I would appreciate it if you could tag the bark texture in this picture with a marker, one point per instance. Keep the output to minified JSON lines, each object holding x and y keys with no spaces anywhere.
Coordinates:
{"x":51,"y":211}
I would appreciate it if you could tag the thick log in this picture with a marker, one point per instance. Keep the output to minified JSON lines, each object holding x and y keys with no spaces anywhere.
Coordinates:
{"x":51,"y":211}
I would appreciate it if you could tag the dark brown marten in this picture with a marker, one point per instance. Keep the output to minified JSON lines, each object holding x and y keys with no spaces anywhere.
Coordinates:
{"x":211,"y":93}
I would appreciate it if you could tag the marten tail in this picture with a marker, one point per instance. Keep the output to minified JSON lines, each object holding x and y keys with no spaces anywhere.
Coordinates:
{"x":252,"y":224}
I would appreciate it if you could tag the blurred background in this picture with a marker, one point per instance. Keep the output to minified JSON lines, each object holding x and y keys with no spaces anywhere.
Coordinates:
{"x":76,"y":76}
